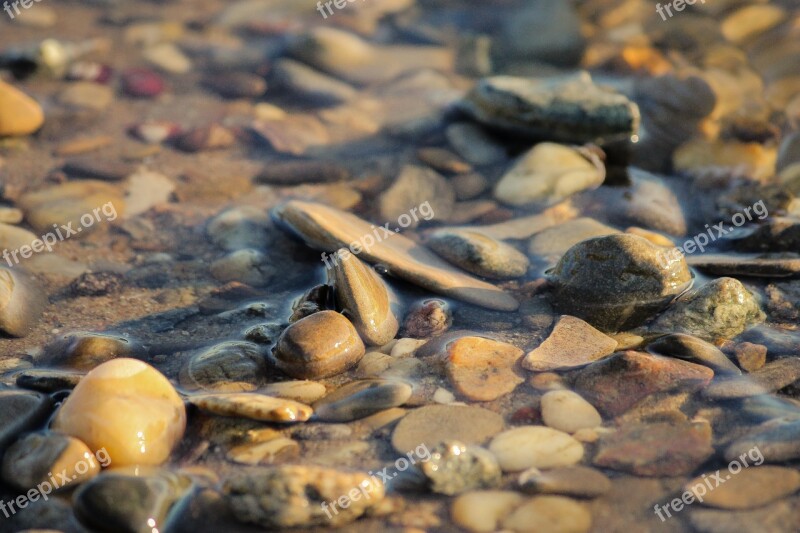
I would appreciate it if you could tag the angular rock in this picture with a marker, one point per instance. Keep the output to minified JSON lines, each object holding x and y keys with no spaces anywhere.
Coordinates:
{"x":572,"y":343}
{"x":483,"y":369}
{"x":428,"y":318}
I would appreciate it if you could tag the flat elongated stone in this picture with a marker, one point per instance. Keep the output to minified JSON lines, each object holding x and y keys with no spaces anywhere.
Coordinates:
{"x":578,"y":481}
{"x":360,"y":399}
{"x":693,"y":349}
{"x":776,"y":444}
{"x":478,"y":253}
{"x":772,"y":377}
{"x":253,"y":406}
{"x":67,"y":204}
{"x":571,"y":344}
{"x":551,"y":243}
{"x":554,"y":514}
{"x":329,"y":229}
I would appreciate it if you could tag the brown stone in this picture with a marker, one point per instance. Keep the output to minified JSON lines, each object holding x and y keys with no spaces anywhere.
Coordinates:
{"x":483,"y":369}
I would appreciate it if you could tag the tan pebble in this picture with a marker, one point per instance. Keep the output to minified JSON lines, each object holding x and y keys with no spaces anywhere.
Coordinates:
{"x":587,"y":435}
{"x":304,"y":391}
{"x":263,"y":452}
{"x":546,"y":381}
{"x":82,"y":146}
{"x":652,"y":236}
{"x":483,"y":369}
{"x":406,"y":346}
{"x":535,"y":446}
{"x":372,"y":364}
{"x":554,"y":514}
{"x":569,"y":412}
{"x":482,"y":511}
{"x":19,"y":113}
{"x":253,"y":406}
{"x":572,"y":343}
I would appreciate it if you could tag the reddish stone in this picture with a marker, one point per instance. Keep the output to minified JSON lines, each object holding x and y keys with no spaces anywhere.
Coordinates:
{"x":142,"y":83}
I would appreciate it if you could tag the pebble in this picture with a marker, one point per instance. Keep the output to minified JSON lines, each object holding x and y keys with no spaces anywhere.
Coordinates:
{"x":329,"y":229}
{"x":364,"y":298}
{"x":405,"y":347}
{"x":237,"y":84}
{"x":551,"y":243}
{"x":554,"y":514}
{"x":232,"y":366}
{"x":474,"y":144}
{"x":722,"y":308}
{"x":293,"y":496}
{"x":167,"y":57}
{"x":751,"y":357}
{"x":567,"y":109}
{"x":46,"y":380}
{"x":42,"y":17}
{"x":478,"y":254}
{"x":22,"y":302}
{"x":85,"y":95}
{"x":776,"y":443}
{"x":252,"y":406}
{"x":142,"y":83}
{"x":535,"y":447}
{"x":481,"y":511}
{"x":693,"y":349}
{"x":320,"y":345}
{"x":443,"y":160}
{"x":616,"y":282}
{"x":417,"y":186}
{"x":98,"y":168}
{"x":433,"y":424}
{"x":155,"y":131}
{"x":454,"y":468}
{"x":483,"y":369}
{"x":548,"y":174}
{"x":773,"y":518}
{"x":86,"y":350}
{"x":360,"y":399}
{"x":287,"y":173}
{"x":147,"y":189}
{"x":246,"y":266}
{"x":572,"y":343}
{"x":257,"y":453}
{"x":238,"y":228}
{"x":428,"y":318}
{"x":312,"y":85}
{"x":772,"y":377}
{"x":21,"y":114}
{"x":660,"y":449}
{"x":568,"y":412}
{"x":576,"y":481}
{"x":10,"y":215}
{"x":749,"y":488}
{"x":469,"y":186}
{"x":35,"y":457}
{"x":617,"y":383}
{"x":761,"y":266}
{"x":750,"y":21}
{"x":127,"y":407}
{"x":65,"y":204}
{"x":129,"y":500}
{"x":203,"y":138}
{"x":21,"y":411}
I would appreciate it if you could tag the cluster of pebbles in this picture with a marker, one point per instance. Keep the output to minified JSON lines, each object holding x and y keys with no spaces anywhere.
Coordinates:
{"x":428,"y":240}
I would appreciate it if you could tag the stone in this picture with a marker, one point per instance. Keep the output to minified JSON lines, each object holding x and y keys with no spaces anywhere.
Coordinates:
{"x":35,"y":457}
{"x":432,"y":424}
{"x":98,"y":168}
{"x":576,"y":481}
{"x":617,"y":383}
{"x":481,"y":511}
{"x":87,"y":350}
{"x":572,"y":343}
{"x":329,"y":229}
{"x":245,"y":266}
{"x":553,"y":242}
{"x":312,"y":85}
{"x":252,"y":406}
{"x":772,"y":377}
{"x":22,"y":302}
{"x":232,"y":366}
{"x":454,"y":468}
{"x":414,"y":187}
{"x":256,"y":453}
{"x":236,"y":84}
{"x":659,"y":449}
{"x":773,"y":518}
{"x":320,"y":345}
{"x":145,"y":190}
{"x":483,"y":369}
{"x":204,"y":138}
{"x":127,"y":407}
{"x":21,"y":114}
{"x":565,"y":109}
{"x":306,"y":392}
{"x":750,"y":21}
{"x":167,"y":57}
{"x":287,"y":173}
{"x":142,"y":83}
{"x":777,"y":443}
{"x":478,"y":254}
{"x":428,"y":318}
{"x":722,"y":308}
{"x":443,"y":160}
{"x":67,"y":205}
{"x":548,"y":174}
{"x":616,"y":282}
{"x":751,"y":357}
{"x":693,"y":349}
{"x":761,"y":266}
{"x":474,"y":144}
{"x":46,"y":380}
{"x":469,"y":186}
{"x":554,"y":514}
{"x":298,"y":496}
{"x":363,"y":298}
{"x":360,"y":399}
{"x":568,"y":412}
{"x":21,"y":411}
{"x":86,"y":96}
{"x":238,"y":228}
{"x":535,"y":447}
{"x":748,"y":488}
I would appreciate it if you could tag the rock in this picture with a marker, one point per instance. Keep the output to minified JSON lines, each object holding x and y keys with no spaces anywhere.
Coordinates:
{"x":212,"y":137}
{"x":303,"y":171}
{"x":364,"y":298}
{"x":86,"y":350}
{"x":246,"y":266}
{"x":301,"y":496}
{"x":474,"y":144}
{"x":443,"y":160}
{"x":576,"y":481}
{"x":772,"y":377}
{"x":776,"y":443}
{"x":567,"y":109}
{"x":20,"y":113}
{"x":225,"y":367}
{"x":238,"y":228}
{"x":128,"y":408}
{"x":478,"y":254}
{"x":236,"y":84}
{"x":31,"y":461}
{"x":553,"y":242}
{"x":773,"y":518}
{"x":428,"y":318}
{"x":21,"y":411}
{"x":550,"y":173}
{"x":321,"y":345}
{"x":146,"y":189}
{"x":329,"y":229}
{"x":483,"y":369}
{"x":568,"y":412}
{"x":167,"y":57}
{"x":252,"y":406}
{"x":722,"y":308}
{"x":312,"y":85}
{"x":256,"y":453}
{"x":454,"y":468}
{"x":155,"y":131}
{"x":703,"y":159}
{"x":535,"y":446}
{"x":306,"y":392}
{"x":433,"y":424}
{"x":656,"y":449}
{"x":129,"y":500}
{"x":46,"y":380}
{"x":761,"y":266}
{"x":751,"y":357}
{"x":469,"y":186}
{"x":71,"y":204}
{"x":142,"y":83}
{"x":572,"y":343}
{"x":693,"y":349}
{"x":98,"y":168}
{"x":554,"y":514}
{"x":21,"y":302}
{"x":617,"y":383}
{"x":86,"y":96}
{"x":360,"y":399}
{"x":481,"y":511}
{"x":414,"y":187}
{"x":750,"y":21}
{"x":616,"y":282}
{"x":748,"y":488}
